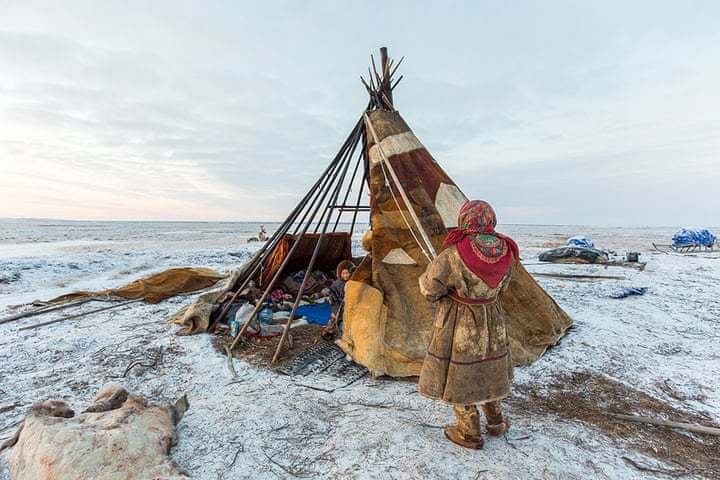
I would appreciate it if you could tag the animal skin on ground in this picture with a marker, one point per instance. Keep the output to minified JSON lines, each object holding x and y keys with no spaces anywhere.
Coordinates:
{"x":118,"y":437}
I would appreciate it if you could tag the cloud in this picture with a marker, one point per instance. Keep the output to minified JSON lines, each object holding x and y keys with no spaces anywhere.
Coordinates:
{"x":557,"y":113}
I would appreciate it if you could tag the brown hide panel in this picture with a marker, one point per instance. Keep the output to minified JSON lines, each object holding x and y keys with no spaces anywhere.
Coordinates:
{"x":534,"y":320}
{"x":334,"y":248}
{"x":386,"y":123}
{"x":363,"y":272}
{"x":390,"y":229}
{"x":417,"y":170}
{"x":409,"y":314}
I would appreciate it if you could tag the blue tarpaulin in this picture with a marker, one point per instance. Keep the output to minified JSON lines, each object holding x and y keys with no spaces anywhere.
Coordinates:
{"x":580,"y":241}
{"x":317,"y":313}
{"x":692,"y":238}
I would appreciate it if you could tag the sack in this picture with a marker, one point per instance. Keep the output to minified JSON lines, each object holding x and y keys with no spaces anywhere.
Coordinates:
{"x":574,"y":255}
{"x":580,"y":241}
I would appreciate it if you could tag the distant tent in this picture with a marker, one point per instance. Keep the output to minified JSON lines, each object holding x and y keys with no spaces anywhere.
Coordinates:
{"x":412,"y":204}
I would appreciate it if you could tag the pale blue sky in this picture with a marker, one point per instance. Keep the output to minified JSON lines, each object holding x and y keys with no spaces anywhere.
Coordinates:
{"x":602,"y":113}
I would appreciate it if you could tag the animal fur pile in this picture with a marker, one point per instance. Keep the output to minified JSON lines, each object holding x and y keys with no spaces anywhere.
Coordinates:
{"x":118,"y":437}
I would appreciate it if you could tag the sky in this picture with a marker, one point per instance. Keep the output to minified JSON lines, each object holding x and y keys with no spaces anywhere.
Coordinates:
{"x":592,"y":113}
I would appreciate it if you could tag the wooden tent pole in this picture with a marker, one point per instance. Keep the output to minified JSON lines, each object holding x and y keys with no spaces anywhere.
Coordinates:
{"x":280,"y":232}
{"x":251,"y":269}
{"x":338,"y":159}
{"x":257,"y":260}
{"x":386,"y":90}
{"x":245,"y":326}
{"x":292,"y":250}
{"x":365,"y":179}
{"x":357,"y":205}
{"x":290,"y":319}
{"x":363,"y":160}
{"x":279,"y":271}
{"x":311,"y":204}
{"x":404,"y":196}
{"x":668,"y":423}
{"x":347,"y":192}
{"x":334,"y":197}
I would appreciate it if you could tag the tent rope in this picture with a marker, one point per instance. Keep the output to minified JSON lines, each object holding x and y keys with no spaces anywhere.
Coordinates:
{"x":430,"y":252}
{"x":412,"y":231}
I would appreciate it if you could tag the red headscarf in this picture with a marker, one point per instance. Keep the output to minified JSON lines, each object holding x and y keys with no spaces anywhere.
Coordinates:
{"x":485,"y":252}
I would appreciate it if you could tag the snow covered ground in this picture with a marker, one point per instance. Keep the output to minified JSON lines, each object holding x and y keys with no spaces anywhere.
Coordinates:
{"x":263,"y":425}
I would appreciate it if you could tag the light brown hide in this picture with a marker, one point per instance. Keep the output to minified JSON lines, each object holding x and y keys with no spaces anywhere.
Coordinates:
{"x":156,"y":287}
{"x":130,"y":442}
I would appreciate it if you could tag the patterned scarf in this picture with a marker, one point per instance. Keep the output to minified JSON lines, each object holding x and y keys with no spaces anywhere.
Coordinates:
{"x":484,"y":251}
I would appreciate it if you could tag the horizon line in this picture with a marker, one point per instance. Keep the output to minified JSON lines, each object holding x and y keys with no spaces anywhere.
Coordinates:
{"x":280,"y":221}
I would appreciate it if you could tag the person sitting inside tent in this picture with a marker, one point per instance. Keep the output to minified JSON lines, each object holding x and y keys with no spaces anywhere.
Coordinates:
{"x":343,"y":273}
{"x":337,"y":295}
{"x":468,"y":358}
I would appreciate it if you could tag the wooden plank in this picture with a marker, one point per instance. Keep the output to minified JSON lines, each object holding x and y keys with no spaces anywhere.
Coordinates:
{"x":690,"y":427}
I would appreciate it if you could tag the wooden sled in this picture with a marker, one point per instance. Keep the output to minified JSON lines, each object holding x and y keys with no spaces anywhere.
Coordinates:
{"x":690,"y":249}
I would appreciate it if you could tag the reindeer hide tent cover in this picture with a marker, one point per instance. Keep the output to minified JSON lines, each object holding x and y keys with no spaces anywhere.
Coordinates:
{"x":387,"y":321}
{"x":413,"y":203}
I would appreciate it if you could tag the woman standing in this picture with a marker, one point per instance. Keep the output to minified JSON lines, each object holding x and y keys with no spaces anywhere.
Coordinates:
{"x":468,"y":359}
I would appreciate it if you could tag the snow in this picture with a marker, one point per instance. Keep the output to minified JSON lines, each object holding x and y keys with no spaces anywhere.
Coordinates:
{"x":374,"y":428}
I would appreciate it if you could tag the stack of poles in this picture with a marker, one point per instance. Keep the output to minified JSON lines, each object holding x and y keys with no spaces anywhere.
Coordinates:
{"x":365,"y":180}
{"x":343,"y":205}
{"x":310,"y":205}
{"x":325,"y":218}
{"x":255,"y":265}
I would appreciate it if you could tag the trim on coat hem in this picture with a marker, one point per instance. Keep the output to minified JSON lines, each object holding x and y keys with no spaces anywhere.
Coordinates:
{"x":455,"y":362}
{"x":480,"y":402}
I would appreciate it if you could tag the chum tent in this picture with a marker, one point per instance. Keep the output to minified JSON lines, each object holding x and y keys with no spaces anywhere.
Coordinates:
{"x":412,"y":204}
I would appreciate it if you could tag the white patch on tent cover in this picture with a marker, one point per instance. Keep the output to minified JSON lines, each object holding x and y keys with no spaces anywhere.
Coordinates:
{"x":398,"y":256}
{"x":448,"y":201}
{"x":395,"y":145}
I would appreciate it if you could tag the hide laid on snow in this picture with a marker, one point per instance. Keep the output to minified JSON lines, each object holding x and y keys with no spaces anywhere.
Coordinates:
{"x":412,"y":203}
{"x":156,"y":287}
{"x":119,"y":437}
{"x":195,"y":318}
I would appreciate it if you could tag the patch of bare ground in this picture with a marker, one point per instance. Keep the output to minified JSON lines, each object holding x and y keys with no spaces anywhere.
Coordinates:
{"x":591,"y":398}
{"x":259,"y":351}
